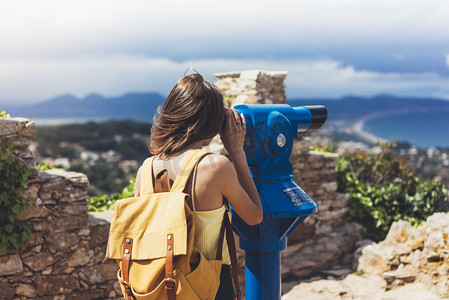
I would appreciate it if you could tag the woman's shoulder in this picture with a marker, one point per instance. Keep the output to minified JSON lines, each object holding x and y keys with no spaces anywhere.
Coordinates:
{"x":215,"y":162}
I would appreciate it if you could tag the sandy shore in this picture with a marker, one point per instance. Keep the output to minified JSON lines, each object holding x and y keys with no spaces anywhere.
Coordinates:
{"x":358,"y":126}
{"x":358,"y":129}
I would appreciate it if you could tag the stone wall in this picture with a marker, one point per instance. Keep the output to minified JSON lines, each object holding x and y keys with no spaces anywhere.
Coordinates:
{"x":325,"y":237}
{"x":65,"y":256}
{"x":252,"y":87}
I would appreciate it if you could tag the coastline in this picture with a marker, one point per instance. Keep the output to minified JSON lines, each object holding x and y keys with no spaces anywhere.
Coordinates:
{"x":358,"y":129}
{"x":371,"y":138}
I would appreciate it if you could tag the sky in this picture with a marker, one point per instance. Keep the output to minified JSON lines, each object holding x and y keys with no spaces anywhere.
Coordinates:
{"x":330,"y":48}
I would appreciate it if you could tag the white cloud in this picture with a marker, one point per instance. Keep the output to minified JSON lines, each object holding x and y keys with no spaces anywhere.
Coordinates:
{"x":114,"y":75}
{"x":51,"y":47}
{"x":66,"y":28}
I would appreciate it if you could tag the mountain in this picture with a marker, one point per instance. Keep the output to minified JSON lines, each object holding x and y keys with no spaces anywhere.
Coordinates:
{"x":137,"y":106}
{"x":351,"y":109}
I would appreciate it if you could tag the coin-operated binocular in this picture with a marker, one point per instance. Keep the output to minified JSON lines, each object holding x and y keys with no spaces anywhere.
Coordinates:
{"x":268,"y":145}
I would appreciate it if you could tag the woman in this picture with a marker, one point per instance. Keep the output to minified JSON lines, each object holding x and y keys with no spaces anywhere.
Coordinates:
{"x":191,"y":116}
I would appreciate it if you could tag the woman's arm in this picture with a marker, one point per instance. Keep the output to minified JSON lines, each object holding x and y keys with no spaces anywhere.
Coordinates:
{"x":240,"y":189}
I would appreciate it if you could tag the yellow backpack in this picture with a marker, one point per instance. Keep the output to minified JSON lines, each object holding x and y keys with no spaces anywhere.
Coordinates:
{"x":152,"y":239}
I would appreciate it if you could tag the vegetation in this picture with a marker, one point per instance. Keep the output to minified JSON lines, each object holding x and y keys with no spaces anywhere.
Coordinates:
{"x":3,"y":114}
{"x":106,"y":202}
{"x":43,"y":165}
{"x":14,"y":175}
{"x":98,"y":150}
{"x":324,"y":149}
{"x":385,"y":189}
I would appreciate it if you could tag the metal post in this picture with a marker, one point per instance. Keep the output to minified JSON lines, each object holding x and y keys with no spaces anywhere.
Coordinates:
{"x":262,"y":275}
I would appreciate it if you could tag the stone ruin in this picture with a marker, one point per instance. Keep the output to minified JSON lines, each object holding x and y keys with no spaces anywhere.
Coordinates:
{"x":65,"y":255}
{"x":64,"y":258}
{"x":411,"y":263}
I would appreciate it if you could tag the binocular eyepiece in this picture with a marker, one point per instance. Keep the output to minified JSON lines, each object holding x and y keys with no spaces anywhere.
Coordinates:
{"x":271,"y":128}
{"x":319,"y":116}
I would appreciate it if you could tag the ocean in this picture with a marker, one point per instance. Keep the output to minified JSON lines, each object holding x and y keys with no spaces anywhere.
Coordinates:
{"x":423,"y":129}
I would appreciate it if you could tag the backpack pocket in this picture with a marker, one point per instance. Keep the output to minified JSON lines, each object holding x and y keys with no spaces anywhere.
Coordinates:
{"x":205,"y":279}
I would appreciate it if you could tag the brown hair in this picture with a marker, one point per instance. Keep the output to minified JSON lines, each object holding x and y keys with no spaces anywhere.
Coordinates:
{"x":193,"y":111}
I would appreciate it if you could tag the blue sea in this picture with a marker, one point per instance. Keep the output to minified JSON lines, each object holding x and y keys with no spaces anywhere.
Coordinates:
{"x":423,"y":129}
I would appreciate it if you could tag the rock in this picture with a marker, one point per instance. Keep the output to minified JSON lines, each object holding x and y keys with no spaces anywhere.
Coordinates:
{"x":398,"y":275}
{"x":53,"y":285}
{"x":35,"y":211}
{"x":410,"y":291}
{"x":320,"y":253}
{"x":77,"y":208}
{"x":372,"y":260}
{"x":65,"y":223}
{"x":99,"y":231}
{"x":370,"y":287}
{"x":38,"y":262}
{"x":7,"y":291}
{"x":356,"y":287}
{"x":101,"y":273}
{"x":10,"y":264}
{"x":29,"y":130}
{"x":62,"y":240}
{"x":26,"y":290}
{"x":31,"y":191}
{"x":80,"y":257}
{"x":9,"y":127}
{"x":411,"y":254}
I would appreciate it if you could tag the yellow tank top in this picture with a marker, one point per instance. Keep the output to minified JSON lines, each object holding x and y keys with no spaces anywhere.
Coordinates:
{"x":207,"y":230}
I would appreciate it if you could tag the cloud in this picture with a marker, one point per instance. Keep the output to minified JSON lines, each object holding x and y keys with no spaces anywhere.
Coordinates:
{"x":182,"y":30}
{"x":329,"y":47}
{"x":37,"y":80}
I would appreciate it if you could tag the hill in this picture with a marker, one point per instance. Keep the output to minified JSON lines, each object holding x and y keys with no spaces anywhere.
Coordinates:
{"x":351,"y":109}
{"x":136,"y":106}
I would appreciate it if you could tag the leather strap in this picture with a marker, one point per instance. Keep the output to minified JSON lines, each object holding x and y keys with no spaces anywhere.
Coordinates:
{"x":126,"y":259}
{"x":146,"y":179}
{"x":232,"y":254}
{"x":170,"y":283}
{"x":161,"y":183}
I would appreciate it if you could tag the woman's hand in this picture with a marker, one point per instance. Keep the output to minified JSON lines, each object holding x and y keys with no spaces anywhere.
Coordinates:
{"x":233,"y":135}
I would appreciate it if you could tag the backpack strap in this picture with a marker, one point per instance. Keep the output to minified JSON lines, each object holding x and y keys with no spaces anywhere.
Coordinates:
{"x":146,"y":179}
{"x":126,"y":260}
{"x":186,"y":170}
{"x":232,"y":253}
{"x":226,"y":226}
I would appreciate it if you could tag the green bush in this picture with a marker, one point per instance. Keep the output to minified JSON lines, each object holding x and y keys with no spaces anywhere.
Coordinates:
{"x":385,"y":189}
{"x":4,"y":115}
{"x":106,"y":202}
{"x":14,"y":181}
{"x":43,"y":165}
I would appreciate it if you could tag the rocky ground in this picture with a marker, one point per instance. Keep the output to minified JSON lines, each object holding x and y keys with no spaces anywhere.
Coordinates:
{"x":411,"y":263}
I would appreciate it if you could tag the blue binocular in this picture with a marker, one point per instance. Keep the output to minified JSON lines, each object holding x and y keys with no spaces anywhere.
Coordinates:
{"x":270,"y":132}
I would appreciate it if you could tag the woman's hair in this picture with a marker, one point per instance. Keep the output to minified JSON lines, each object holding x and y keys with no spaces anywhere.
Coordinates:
{"x":193,"y":111}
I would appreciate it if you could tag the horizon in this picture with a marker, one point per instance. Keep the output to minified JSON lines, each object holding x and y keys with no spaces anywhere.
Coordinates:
{"x":330,"y":48}
{"x":26,"y":104}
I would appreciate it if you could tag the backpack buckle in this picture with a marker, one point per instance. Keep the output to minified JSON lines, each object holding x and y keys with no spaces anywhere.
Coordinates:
{"x":170,"y":284}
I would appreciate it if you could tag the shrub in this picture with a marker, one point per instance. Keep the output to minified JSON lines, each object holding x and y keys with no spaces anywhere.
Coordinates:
{"x":385,"y":189}
{"x":14,"y":181}
{"x":106,"y":202}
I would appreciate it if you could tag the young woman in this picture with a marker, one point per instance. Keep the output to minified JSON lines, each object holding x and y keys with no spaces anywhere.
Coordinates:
{"x":191,"y":116}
